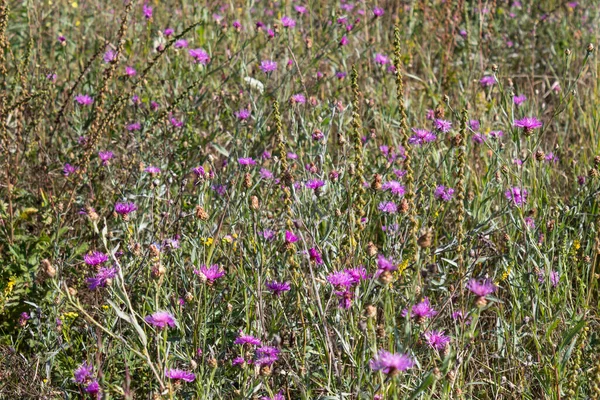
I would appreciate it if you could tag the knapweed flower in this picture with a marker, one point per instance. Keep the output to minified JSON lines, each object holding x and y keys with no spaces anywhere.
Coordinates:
{"x":442,"y":125}
{"x":69,"y":169}
{"x":290,"y":237}
{"x":287,"y":22}
{"x":358,"y":274}
{"x":246,"y":161}
{"x":315,"y":185}
{"x":211,"y":273}
{"x":345,"y":298}
{"x":134,"y":126}
{"x":528,"y":124}
{"x":394,"y":187}
{"x":481,"y":288}
{"x":152,"y":170}
{"x":105,"y":156}
{"x":474,"y":124}
{"x":487,"y":81}
{"x":147,"y":9}
{"x":421,"y":311}
{"x":421,"y":137}
{"x":278,"y":396}
{"x":101,"y":278}
{"x":266,"y":355}
{"x":437,"y":339}
{"x":238,"y":361}
{"x":388,"y":207}
{"x":554,"y":277}
{"x":381,"y":59}
{"x":300,"y":9}
{"x":478,"y":138}
{"x":496,"y":134}
{"x":181,"y":44}
{"x":83,"y":372}
{"x":93,"y":387}
{"x":516,"y":195}
{"x":277,"y":287}
{"x":268,"y":66}
{"x":520,"y":99}
{"x":109,"y":56}
{"x":315,"y":256}
{"x":340,"y":74}
{"x":247,"y":340}
{"x":200,"y":56}
{"x":242,"y":114}
{"x":125,"y":208}
{"x":385,"y":264}
{"x":341,"y":279}
{"x":161,"y":319}
{"x":443,"y":193}
{"x":298,"y":99}
{"x":180,"y":375}
{"x":84,"y":99}
{"x":266,"y":174}
{"x":343,"y":41}
{"x":378,"y":12}
{"x":23,"y":318}
{"x":391,"y":363}
{"x":168,"y":32}
{"x":95,"y":258}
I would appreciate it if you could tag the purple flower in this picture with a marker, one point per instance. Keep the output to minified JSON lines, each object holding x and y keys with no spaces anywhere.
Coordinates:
{"x":474,"y":124}
{"x":444,"y":193}
{"x":105,"y":156}
{"x":268,"y":66}
{"x":168,"y":32}
{"x":134,"y":126}
{"x":180,"y":375}
{"x":199,"y":171}
{"x":95,"y":258}
{"x":109,"y":56}
{"x":390,"y":363}
{"x":437,"y":339}
{"x":101,"y":278}
{"x":83,"y":372}
{"x":554,"y":277}
{"x":237,"y":25}
{"x":345,"y":298}
{"x":421,"y":137}
{"x":315,"y":256}
{"x":443,"y":125}
{"x":315,"y":184}
{"x":422,"y":310}
{"x":287,"y":22}
{"x":516,"y":195}
{"x":341,"y":279}
{"x":528,"y":124}
{"x":69,"y":169}
{"x":181,"y":44}
{"x":200,"y":56}
{"x":300,"y":9}
{"x":246,"y":161}
{"x":290,"y":237}
{"x":242,"y":114}
{"x":210,"y":274}
{"x":278,"y":396}
{"x":298,"y":99}
{"x":125,"y":208}
{"x":175,"y":122}
{"x":266,"y":174}
{"x":161,"y":319}
{"x":388,"y":207}
{"x":478,"y":138}
{"x":487,"y":81}
{"x":385,"y":264}
{"x":277,"y":287}
{"x":340,"y":74}
{"x":344,"y":41}
{"x":266,"y":355}
{"x":378,"y":12}
{"x":481,"y":288}
{"x":147,"y":11}
{"x":381,"y":59}
{"x":520,"y":99}
{"x":496,"y":134}
{"x":93,"y":387}
{"x":238,"y":361}
{"x":268,"y":234}
{"x":247,"y":340}
{"x":84,"y":99}
{"x":152,"y":170}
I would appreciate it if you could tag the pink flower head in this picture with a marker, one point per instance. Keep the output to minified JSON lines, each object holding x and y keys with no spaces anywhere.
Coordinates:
{"x":211,"y":273}
{"x":93,"y":387}
{"x":443,"y":125}
{"x":161,"y":319}
{"x":421,"y":137}
{"x":487,"y":81}
{"x":246,"y":161}
{"x":200,"y":56}
{"x":528,"y":124}
{"x":385,"y":264}
{"x":345,"y":298}
{"x":390,"y":363}
{"x":101,"y":278}
{"x":315,"y":184}
{"x":444,"y":193}
{"x":84,"y":99}
{"x":381,"y":59}
{"x":181,"y":44}
{"x":298,"y":99}
{"x":388,"y":207}
{"x":482,"y":287}
{"x":168,"y":32}
{"x":180,"y":375}
{"x":421,"y":310}
{"x":341,"y":279}
{"x":242,"y":114}
{"x":520,"y":99}
{"x":437,"y":339}
{"x":105,"y":156}
{"x":266,"y":355}
{"x":147,"y":11}
{"x":95,"y":258}
{"x":125,"y":208}
{"x":152,"y":170}
{"x":378,"y":12}
{"x":554,"y":277}
{"x":287,"y":22}
{"x":277,"y":287}
{"x":343,"y":41}
{"x":290,"y":237}
{"x":300,"y":9}
{"x":394,"y":187}
{"x":247,"y":340}
{"x":268,"y":66}
{"x":315,"y":256}
{"x":134,"y":126}
{"x":517,"y":196}
{"x":83,"y":372}
{"x":278,"y":396}
{"x":69,"y":169}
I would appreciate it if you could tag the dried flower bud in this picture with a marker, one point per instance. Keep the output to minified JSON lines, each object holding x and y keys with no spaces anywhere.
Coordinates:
{"x":201,"y":214}
{"x":494,"y":67}
{"x":403,"y":206}
{"x":590,"y":48}
{"x":47,"y":267}
{"x":567,"y":52}
{"x":597,"y":161}
{"x":540,"y":155}
{"x":189,"y":297}
{"x":212,"y":362}
{"x":370,"y":311}
{"x":425,"y":240}
{"x":371,"y":249}
{"x":376,"y":183}
{"x":439,"y":112}
{"x":254,"y":204}
{"x":593,"y":173}
{"x":247,"y":180}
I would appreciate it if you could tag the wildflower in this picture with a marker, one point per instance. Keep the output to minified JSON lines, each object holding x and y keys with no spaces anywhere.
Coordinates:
{"x":237,"y":25}
{"x":315,"y":185}
{"x":487,"y":81}
{"x":147,"y":11}
{"x":344,"y":41}
{"x":517,"y":195}
{"x":421,"y":311}
{"x":292,"y":156}
{"x":358,"y":274}
{"x":277,"y":287}
{"x":93,"y":387}
{"x":444,"y":193}
{"x":530,"y":222}
{"x":278,"y":396}
{"x":109,"y":56}
{"x":551,"y":157}
{"x":437,"y":339}
{"x":247,"y":340}
{"x":242,"y":114}
{"x":528,"y":124}
{"x":105,"y":156}
{"x":496,"y":134}
{"x":102,"y":278}
{"x":388,"y":207}
{"x":520,"y":99}
{"x":298,"y":99}
{"x":268,"y":234}
{"x":421,"y":137}
{"x":385,"y":264}
{"x":268,"y":66}
{"x":315,"y":256}
{"x":161,"y":319}
{"x":95,"y":258}
{"x":83,"y":372}
{"x":478,"y":138}
{"x":290,"y":237}
{"x":287,"y":22}
{"x":481,"y":288}
{"x":180,"y":375}
{"x":345,"y":298}
{"x":152,"y":170}
{"x":168,"y":32}
{"x":84,"y":99}
{"x":210,"y":274}
{"x":381,"y":59}
{"x":341,"y":279}
{"x":69,"y":169}
{"x":266,"y":355}
{"x":340,"y":74}
{"x":175,"y":122}
{"x":378,"y":12}
{"x":554,"y":277}
{"x":300,"y":9}
{"x":265,"y":174}
{"x":246,"y":161}
{"x":390,"y":363}
{"x":200,"y":56}
{"x":23,"y":318}
{"x":134,"y":126}
{"x":125,"y":208}
{"x":61,"y":39}
{"x":442,"y":125}
{"x":181,"y":44}
{"x":238,"y":361}
{"x":474,"y":124}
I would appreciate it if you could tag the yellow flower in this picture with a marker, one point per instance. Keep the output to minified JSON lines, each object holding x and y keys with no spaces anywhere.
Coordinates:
{"x":576,"y":245}
{"x":74,"y":4}
{"x":506,"y":274}
{"x":105,"y":306}
{"x":402,"y":267}
{"x":10,"y":285}
{"x":207,"y":241}
{"x":77,"y":23}
{"x":70,"y":315}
